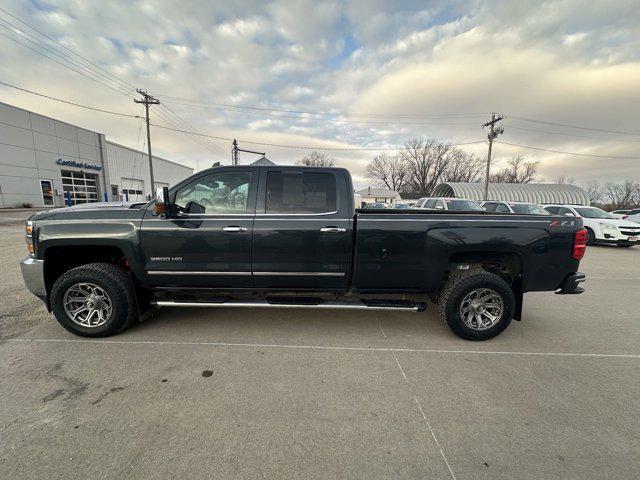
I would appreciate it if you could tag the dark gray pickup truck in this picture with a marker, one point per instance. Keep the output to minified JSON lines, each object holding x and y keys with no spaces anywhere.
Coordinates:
{"x":289,"y":237}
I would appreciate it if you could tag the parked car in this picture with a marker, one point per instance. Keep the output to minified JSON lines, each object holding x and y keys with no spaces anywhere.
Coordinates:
{"x":633,"y":215}
{"x":375,"y":205}
{"x":402,"y":206}
{"x":457,"y":204}
{"x":620,"y":213}
{"x":601,"y":226}
{"x":521,"y":208}
{"x":290,"y":237}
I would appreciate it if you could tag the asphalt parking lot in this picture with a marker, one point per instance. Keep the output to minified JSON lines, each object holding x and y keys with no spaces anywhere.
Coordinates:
{"x":230,"y":393}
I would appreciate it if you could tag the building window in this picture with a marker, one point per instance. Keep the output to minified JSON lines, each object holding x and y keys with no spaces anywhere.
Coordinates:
{"x":79,"y":187}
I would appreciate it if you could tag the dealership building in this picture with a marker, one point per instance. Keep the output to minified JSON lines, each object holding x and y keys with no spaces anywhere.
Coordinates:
{"x":48,"y":163}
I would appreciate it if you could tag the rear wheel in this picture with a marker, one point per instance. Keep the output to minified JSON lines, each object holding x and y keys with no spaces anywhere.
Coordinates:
{"x":591,"y":238}
{"x":476,"y":305}
{"x":94,"y":300}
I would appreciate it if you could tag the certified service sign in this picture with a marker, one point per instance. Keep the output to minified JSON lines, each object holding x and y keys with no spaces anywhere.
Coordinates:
{"x":73,"y":163}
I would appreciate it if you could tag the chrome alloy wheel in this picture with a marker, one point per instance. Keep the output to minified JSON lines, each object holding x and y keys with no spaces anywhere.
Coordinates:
{"x":481,"y":308}
{"x":87,"y":304}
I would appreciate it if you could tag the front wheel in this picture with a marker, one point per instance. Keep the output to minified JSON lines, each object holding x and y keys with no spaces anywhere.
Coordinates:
{"x":476,"y":305}
{"x":94,"y":300}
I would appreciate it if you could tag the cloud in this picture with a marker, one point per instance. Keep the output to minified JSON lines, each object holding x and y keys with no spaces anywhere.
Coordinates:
{"x":570,"y":62}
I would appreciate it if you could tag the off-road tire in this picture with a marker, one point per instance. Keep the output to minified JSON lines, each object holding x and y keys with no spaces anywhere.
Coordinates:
{"x":453,"y":292}
{"x":113,"y":280}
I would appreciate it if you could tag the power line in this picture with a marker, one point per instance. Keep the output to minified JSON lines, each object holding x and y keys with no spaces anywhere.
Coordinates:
{"x":572,"y":126}
{"x":13,"y":29}
{"x":332,"y":119}
{"x":96,"y":109}
{"x":278,"y":145}
{"x":194,"y":102}
{"x":570,"y":134}
{"x":567,"y":153}
{"x":199,"y":140}
{"x":69,"y":50}
{"x":206,"y":142}
{"x":63,"y":64}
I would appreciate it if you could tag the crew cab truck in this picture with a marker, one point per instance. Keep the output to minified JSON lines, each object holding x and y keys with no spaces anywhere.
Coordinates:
{"x":290,"y":237}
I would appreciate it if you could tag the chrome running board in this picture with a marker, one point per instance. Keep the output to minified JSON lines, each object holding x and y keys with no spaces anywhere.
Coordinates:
{"x":402,"y":305}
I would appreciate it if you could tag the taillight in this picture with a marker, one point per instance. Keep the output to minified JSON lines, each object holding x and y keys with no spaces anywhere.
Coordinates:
{"x":579,"y":244}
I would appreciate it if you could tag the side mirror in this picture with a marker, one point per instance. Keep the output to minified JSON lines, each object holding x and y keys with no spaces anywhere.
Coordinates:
{"x":569,"y":214}
{"x":194,"y":208}
{"x":161,"y":202}
{"x":439,"y":207}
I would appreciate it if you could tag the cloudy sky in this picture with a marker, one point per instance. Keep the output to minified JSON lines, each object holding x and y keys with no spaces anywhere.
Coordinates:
{"x":372,"y":73}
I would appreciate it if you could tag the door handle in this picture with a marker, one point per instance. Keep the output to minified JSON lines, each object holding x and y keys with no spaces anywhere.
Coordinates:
{"x":333,"y":230}
{"x":234,"y":229}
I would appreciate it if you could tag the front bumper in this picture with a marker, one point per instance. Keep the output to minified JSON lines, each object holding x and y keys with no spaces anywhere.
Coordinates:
{"x":623,"y":241}
{"x":570,"y":285}
{"x":33,"y":276}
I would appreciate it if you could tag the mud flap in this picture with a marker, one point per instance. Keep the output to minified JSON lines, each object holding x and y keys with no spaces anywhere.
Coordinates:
{"x":517,"y":291}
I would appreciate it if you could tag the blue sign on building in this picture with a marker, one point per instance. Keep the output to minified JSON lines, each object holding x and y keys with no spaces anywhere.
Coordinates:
{"x":73,"y":163}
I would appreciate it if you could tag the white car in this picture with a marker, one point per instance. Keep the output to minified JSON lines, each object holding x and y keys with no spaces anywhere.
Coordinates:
{"x":620,"y":213}
{"x":633,"y":215}
{"x":601,"y":226}
{"x":520,"y":208}
{"x":442,"y":203}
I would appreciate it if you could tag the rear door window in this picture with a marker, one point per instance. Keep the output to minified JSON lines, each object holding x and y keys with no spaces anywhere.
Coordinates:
{"x":501,"y":207}
{"x":489,"y":207}
{"x":301,"y":192}
{"x":552,"y":210}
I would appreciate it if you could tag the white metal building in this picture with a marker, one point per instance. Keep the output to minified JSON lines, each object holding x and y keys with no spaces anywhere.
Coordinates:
{"x":46,"y":162}
{"x":515,"y":192}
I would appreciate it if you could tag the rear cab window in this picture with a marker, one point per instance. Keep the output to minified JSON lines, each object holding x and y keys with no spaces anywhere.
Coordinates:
{"x":300,"y":192}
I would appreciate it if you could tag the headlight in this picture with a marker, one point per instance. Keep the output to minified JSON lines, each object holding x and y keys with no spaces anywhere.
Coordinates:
{"x":608,"y":226}
{"x":29,"y":239}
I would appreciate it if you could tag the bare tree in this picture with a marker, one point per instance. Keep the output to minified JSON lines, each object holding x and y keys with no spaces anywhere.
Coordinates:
{"x":388,"y":171}
{"x":620,"y":195}
{"x":427,"y":161}
{"x":594,"y":192}
{"x":562,"y":180}
{"x":316,"y":159}
{"x":463,"y":167}
{"x":518,"y":170}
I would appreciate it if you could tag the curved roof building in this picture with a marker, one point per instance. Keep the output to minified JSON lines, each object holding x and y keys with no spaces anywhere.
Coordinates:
{"x":516,"y":192}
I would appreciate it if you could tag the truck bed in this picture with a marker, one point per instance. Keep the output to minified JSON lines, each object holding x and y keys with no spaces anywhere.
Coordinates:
{"x":416,"y":248}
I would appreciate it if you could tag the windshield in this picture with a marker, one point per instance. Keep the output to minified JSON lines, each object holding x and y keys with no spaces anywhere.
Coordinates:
{"x":528,"y":209}
{"x":592,"y":212}
{"x":462,"y":205}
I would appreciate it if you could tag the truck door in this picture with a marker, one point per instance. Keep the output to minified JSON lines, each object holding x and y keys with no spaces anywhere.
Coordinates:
{"x":303,"y":230}
{"x":207,"y":243}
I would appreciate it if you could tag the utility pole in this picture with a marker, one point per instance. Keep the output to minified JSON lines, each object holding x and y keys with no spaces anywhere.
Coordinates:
{"x":234,"y":152}
{"x":493,"y":133}
{"x":148,"y":100}
{"x":235,"y":149}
